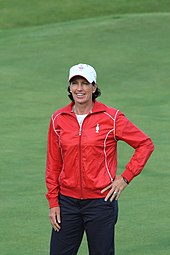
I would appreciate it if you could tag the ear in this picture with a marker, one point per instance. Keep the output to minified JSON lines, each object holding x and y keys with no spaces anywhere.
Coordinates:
{"x":69,"y":88}
{"x":94,"y":88}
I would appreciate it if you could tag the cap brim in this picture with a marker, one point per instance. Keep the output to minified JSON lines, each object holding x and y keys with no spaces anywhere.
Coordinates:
{"x":71,"y":77}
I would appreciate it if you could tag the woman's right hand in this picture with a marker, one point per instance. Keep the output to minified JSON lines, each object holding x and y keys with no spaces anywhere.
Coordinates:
{"x":54,"y":216}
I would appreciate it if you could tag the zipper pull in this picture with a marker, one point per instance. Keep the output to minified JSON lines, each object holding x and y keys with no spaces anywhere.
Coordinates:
{"x":80,"y":130}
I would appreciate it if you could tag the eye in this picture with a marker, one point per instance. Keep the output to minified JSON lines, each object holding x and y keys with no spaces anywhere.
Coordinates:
{"x":85,"y":83}
{"x":73,"y":82}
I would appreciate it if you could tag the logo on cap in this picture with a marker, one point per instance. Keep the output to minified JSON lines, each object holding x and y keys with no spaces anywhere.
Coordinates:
{"x":81,"y":68}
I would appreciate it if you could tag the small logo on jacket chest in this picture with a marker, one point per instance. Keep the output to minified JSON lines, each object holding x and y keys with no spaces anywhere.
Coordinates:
{"x":97,"y":128}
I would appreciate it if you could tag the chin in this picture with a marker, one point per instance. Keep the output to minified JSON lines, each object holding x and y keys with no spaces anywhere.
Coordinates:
{"x":80,"y":100}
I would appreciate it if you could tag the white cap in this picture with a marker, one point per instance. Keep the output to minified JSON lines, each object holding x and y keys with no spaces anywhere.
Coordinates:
{"x":84,"y":70}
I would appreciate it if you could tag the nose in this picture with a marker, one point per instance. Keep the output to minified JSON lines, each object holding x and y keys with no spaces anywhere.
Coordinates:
{"x":79,"y":86}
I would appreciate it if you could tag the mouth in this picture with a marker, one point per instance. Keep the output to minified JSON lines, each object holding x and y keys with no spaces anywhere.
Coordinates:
{"x":79,"y":94}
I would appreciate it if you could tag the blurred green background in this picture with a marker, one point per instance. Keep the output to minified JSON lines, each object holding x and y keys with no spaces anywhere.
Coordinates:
{"x":128,"y":43}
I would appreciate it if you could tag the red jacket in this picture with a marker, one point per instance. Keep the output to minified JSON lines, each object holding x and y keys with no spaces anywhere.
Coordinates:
{"x":80,"y":163}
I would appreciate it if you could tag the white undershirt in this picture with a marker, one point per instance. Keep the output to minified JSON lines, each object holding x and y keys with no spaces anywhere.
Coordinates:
{"x":80,"y":118}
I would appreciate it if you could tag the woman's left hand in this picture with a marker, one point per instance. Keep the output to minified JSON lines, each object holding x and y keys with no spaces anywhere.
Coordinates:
{"x":115,"y":188}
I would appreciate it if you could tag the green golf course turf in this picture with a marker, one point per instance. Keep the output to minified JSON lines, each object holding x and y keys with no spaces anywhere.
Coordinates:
{"x":130,"y":49}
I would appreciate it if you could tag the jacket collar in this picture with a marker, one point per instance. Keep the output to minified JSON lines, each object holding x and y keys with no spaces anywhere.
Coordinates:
{"x":97,"y":107}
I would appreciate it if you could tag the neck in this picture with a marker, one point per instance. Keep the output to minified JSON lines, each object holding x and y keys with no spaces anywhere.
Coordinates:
{"x":82,"y":109}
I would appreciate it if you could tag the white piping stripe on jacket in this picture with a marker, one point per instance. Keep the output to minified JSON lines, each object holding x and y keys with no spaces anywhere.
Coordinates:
{"x":106,"y":154}
{"x":114,"y":121}
{"x":105,"y":140}
{"x":115,"y":124}
{"x":53,"y":119}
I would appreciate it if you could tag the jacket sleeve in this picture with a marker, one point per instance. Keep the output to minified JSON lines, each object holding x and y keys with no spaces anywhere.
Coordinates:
{"x":53,"y":166}
{"x":143,"y":145}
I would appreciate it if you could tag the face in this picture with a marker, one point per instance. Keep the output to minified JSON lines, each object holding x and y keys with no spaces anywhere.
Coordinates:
{"x":82,"y":90}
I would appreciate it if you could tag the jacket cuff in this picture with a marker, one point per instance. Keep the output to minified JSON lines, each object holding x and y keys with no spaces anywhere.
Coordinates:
{"x":128,"y":175}
{"x":53,"y":202}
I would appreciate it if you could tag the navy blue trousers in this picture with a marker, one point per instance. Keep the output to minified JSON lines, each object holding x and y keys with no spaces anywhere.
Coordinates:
{"x":95,"y":217}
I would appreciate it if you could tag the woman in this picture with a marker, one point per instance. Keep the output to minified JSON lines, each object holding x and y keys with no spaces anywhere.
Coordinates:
{"x":83,"y":188}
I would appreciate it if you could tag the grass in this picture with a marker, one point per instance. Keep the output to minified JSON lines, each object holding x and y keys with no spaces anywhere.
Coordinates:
{"x":19,"y":13}
{"x":131,"y":55}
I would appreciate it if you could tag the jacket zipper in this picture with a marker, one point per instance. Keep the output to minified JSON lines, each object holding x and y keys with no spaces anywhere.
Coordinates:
{"x":80,"y":161}
{"x":81,"y":189}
